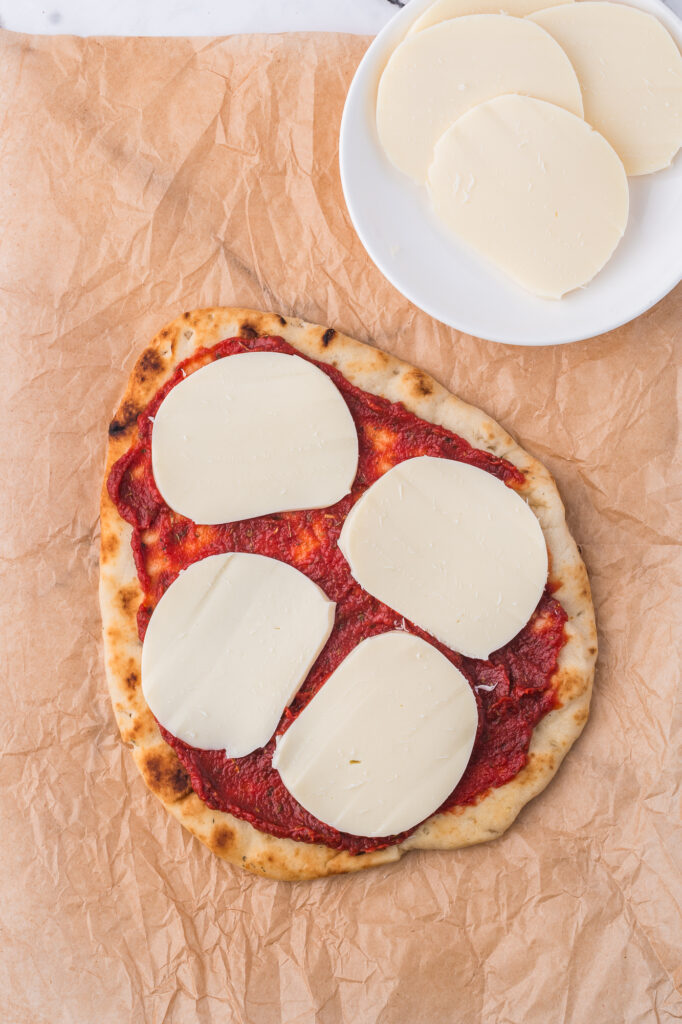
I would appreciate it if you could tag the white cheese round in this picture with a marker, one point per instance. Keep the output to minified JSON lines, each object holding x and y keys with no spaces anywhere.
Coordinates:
{"x":554,"y":216}
{"x":630,"y":74}
{"x":443,"y":10}
{"x":252,"y":434}
{"x":451,"y":548}
{"x":384,"y":742}
{"x":435,"y":76}
{"x":227,"y":648}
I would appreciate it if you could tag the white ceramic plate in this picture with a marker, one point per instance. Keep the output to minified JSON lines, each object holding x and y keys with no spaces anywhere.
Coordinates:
{"x":393,"y":218}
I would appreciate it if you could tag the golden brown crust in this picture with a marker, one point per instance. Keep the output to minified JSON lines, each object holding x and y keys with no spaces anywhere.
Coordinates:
{"x":120,"y":594}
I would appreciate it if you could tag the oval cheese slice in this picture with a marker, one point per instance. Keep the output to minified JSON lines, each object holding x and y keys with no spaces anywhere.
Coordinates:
{"x":442,"y":10}
{"x":630,"y":73}
{"x":451,"y":548}
{"x":253,"y":434}
{"x":554,"y":217}
{"x":227,"y":648}
{"x":435,"y":76}
{"x":384,"y":742}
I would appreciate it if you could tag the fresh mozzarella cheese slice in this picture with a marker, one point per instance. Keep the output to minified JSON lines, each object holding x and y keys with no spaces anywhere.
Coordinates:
{"x":384,"y":742}
{"x":630,"y":73}
{"x":227,"y":648}
{"x":443,"y":10}
{"x":435,"y":76}
{"x":253,"y":434}
{"x":555,"y":216}
{"x":452,"y":549}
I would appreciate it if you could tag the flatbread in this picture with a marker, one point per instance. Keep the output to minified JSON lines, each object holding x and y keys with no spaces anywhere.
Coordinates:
{"x":381,"y":374}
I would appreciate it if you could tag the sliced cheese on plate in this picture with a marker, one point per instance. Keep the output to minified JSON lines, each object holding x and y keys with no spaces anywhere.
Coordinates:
{"x":384,"y":742}
{"x":555,"y":215}
{"x":253,"y":434}
{"x":630,"y":73}
{"x":442,"y":10}
{"x":227,"y":648}
{"x":435,"y":76}
{"x":451,"y":548}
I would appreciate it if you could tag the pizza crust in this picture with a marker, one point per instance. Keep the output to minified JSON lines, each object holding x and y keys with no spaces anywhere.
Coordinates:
{"x":120,"y":595}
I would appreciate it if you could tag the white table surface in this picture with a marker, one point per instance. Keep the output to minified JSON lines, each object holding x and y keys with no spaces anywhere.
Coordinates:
{"x":205,"y":17}
{"x":198,"y":18}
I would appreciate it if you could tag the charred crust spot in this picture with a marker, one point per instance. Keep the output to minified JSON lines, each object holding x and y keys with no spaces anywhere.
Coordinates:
{"x":132,"y":680}
{"x":223,"y":838}
{"x":127,"y":597}
{"x":538,"y":765}
{"x":186,"y":316}
{"x":150,"y":360}
{"x":135,"y":731}
{"x":247,"y":331}
{"x":592,"y":650}
{"x":282,"y":321}
{"x":110,"y":544}
{"x":126,"y":418}
{"x":421,"y":384}
{"x":328,"y":337}
{"x":581,"y":716}
{"x":165,"y":775}
{"x":570,"y":684}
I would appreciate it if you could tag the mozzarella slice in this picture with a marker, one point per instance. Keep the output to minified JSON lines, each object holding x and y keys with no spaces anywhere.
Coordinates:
{"x":253,"y":434}
{"x":435,"y":76}
{"x":452,"y":549}
{"x":442,"y":10}
{"x":630,"y":73}
{"x":384,"y":742}
{"x":555,"y":216}
{"x":227,"y":648}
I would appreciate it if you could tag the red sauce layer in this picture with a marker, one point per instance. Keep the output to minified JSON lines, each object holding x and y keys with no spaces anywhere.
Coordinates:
{"x":513,"y":687}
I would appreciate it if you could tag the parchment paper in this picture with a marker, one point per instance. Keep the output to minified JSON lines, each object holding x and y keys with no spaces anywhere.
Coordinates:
{"x":142,"y":178}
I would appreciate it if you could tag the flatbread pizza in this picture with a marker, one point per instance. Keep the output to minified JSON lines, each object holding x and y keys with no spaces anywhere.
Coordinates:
{"x":532,"y":693}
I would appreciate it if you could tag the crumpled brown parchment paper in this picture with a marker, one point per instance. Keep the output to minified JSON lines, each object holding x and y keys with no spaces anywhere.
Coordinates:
{"x":141,"y":178}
